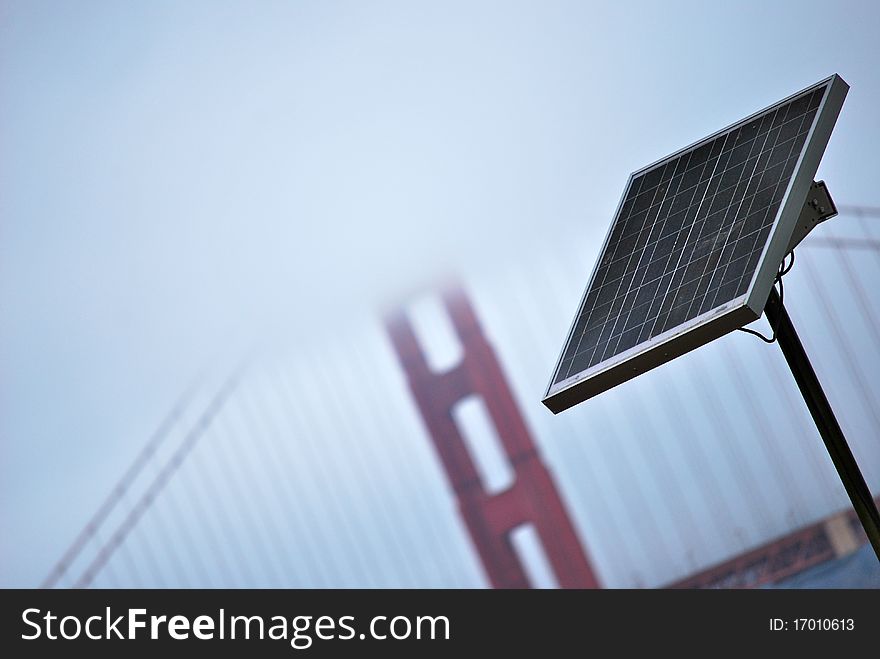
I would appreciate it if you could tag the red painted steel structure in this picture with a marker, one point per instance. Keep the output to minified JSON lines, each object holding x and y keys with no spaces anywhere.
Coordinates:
{"x":532,"y":497}
{"x":775,"y":561}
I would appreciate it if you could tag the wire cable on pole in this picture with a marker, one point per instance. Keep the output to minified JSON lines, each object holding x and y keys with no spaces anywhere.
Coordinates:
{"x":783,"y":270}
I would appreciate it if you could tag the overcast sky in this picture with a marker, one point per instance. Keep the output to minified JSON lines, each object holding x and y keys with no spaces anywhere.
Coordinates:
{"x":178,"y":180}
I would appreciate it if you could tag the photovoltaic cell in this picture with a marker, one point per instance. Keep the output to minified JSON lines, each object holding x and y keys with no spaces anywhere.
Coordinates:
{"x":689,"y":234}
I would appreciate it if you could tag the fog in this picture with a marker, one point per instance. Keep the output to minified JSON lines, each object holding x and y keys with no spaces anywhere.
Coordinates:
{"x":181,"y":181}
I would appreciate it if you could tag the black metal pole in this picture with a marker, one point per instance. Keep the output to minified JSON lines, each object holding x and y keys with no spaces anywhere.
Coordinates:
{"x":823,"y":415}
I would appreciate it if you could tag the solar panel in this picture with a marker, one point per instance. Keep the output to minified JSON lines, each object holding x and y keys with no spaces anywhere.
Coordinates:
{"x":695,"y":244}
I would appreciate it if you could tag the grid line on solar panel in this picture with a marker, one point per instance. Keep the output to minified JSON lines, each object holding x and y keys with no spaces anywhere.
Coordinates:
{"x":689,"y":234}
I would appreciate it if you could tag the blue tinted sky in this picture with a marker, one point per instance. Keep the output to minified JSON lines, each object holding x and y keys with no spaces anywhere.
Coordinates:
{"x":178,"y":179}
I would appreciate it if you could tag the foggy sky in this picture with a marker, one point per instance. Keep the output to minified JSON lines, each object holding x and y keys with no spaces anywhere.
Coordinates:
{"x":181,"y":180}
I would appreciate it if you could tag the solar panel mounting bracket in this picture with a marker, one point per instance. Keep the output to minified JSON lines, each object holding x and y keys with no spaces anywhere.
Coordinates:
{"x":818,"y":207}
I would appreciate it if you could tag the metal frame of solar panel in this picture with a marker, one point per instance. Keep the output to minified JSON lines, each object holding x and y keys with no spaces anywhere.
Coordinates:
{"x":695,"y":245}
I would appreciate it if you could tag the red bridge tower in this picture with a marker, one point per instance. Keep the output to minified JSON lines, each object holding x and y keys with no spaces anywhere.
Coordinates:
{"x":532,"y":497}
